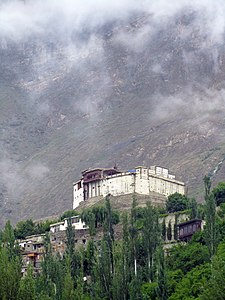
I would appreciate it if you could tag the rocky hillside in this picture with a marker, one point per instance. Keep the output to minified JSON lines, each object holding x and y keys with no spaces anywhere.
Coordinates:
{"x":86,"y":87}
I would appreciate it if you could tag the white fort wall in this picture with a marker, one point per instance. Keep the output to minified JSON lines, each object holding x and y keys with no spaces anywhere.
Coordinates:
{"x":142,"y":180}
{"x":78,"y":193}
{"x":119,"y":184}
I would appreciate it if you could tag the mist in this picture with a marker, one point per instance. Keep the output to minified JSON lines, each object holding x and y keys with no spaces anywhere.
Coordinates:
{"x":70,"y":64}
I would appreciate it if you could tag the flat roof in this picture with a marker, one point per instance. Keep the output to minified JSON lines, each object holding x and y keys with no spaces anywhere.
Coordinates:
{"x":99,"y":169}
{"x":189,"y":222}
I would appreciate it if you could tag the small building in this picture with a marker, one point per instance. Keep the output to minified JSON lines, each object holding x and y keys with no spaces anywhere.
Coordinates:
{"x":187,"y":229}
{"x":77,"y":224}
{"x":32,"y":251}
{"x":172,"y":220}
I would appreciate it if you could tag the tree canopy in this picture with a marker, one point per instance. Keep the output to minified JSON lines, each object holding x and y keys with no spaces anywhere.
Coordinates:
{"x":219,"y":193}
{"x":126,"y":264}
{"x":177,"y":202}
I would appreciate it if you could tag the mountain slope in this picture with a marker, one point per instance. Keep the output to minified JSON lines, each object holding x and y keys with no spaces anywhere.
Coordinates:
{"x":133,"y":90}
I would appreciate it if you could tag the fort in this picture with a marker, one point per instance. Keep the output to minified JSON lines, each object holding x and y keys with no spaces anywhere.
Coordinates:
{"x":141,"y":180}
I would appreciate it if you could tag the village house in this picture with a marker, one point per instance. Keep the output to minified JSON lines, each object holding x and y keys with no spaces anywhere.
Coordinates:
{"x":58,"y":234}
{"x":61,"y":226}
{"x":187,"y":229}
{"x":32,"y":250}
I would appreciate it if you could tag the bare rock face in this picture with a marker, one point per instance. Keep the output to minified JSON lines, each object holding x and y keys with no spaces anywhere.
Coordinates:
{"x":131,"y":86}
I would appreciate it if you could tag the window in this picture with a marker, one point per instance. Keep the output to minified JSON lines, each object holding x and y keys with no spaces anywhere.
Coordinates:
{"x":194,"y":227}
{"x":190,"y":229}
{"x":75,"y":220}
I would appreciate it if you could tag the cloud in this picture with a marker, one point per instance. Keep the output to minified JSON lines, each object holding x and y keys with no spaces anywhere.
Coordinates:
{"x":15,"y":179}
{"x":20,"y":19}
{"x":37,"y":171}
{"x":68,"y":38}
{"x":203,"y":109}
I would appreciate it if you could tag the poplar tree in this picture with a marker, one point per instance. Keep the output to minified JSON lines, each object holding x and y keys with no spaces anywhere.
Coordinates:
{"x":50,"y":282}
{"x":68,"y":287}
{"x":8,"y":239}
{"x":162,"y":289}
{"x":164,"y":229}
{"x":193,"y":208}
{"x":10,"y":265}
{"x":175,"y":228}
{"x":27,"y":286}
{"x":104,"y":271}
{"x":169,"y":231}
{"x":119,"y":281}
{"x":151,"y":233}
{"x":133,"y":234}
{"x":109,"y":232}
{"x":10,"y":273}
{"x":211,"y":230}
{"x":126,"y":257}
{"x":70,"y":250}
{"x":70,"y":239}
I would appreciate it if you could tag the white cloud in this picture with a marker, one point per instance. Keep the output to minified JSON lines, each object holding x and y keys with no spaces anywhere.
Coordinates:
{"x":37,"y":171}
{"x":19,"y":19}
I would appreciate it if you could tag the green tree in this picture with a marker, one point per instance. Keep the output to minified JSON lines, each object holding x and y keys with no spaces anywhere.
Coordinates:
{"x":24,"y":229}
{"x":211,"y":228}
{"x":51,"y":280}
{"x":193,"y":208}
{"x":173,"y":278}
{"x":70,"y":238}
{"x":68,"y":288}
{"x":175,"y":228}
{"x":109,"y":231}
{"x":10,"y":265}
{"x":126,"y":258}
{"x":8,"y":239}
{"x":219,"y":193}
{"x":151,"y":235}
{"x":162,"y":289}
{"x":133,"y":234}
{"x":207,"y":185}
{"x":89,"y":219}
{"x":215,"y":287}
{"x":187,"y":257}
{"x":164,"y":229}
{"x":169,"y":231}
{"x":192,"y":284}
{"x":68,"y":214}
{"x":135,"y":289}
{"x":10,"y":274}
{"x":104,"y":270}
{"x":119,"y":277}
{"x":27,"y":286}
{"x":176,"y":202}
{"x":149,"y":290}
